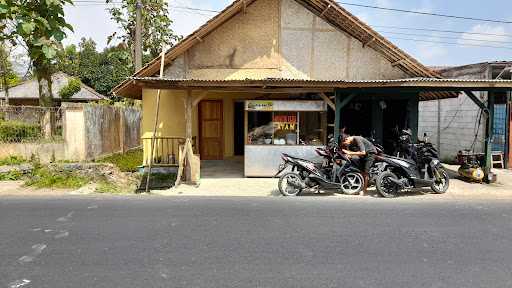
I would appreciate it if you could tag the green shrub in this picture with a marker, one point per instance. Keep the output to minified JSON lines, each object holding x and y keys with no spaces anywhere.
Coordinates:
{"x":17,"y":131}
{"x":45,"y":178}
{"x":13,"y":175}
{"x":74,"y":85}
{"x":127,"y":162}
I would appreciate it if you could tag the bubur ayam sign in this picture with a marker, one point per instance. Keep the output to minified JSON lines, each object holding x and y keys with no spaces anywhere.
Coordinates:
{"x":260,"y":105}
{"x":285,"y":122}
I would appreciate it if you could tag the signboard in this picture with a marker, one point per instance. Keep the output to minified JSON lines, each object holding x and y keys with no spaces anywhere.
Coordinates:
{"x":285,"y":122}
{"x":260,"y":105}
{"x":285,"y":105}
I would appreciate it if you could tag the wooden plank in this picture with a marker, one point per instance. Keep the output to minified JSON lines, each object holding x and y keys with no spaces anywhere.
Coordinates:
{"x":188,"y":114}
{"x":327,"y":100}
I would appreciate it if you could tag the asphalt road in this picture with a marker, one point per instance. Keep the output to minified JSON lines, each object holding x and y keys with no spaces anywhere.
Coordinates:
{"x":254,"y":242}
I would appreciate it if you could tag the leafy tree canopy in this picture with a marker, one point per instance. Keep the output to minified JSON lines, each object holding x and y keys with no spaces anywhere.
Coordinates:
{"x":41,"y":26}
{"x":156,"y":25}
{"x":8,"y":76}
{"x":72,"y":87}
{"x":99,"y":70}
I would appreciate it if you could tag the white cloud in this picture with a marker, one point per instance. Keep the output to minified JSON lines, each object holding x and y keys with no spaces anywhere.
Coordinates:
{"x":431,"y":52}
{"x":89,"y":21}
{"x":474,"y":35}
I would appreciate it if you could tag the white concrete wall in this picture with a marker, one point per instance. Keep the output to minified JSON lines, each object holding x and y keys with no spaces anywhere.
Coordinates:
{"x":459,"y":116}
{"x":459,"y":124}
{"x":46,"y":152}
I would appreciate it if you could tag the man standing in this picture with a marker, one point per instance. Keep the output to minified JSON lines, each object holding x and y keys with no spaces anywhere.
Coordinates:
{"x":360,"y":147}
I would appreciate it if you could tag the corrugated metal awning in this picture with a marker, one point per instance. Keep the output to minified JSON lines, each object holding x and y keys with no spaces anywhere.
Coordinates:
{"x":430,"y":88}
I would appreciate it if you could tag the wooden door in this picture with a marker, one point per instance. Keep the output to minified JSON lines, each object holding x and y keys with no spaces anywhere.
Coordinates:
{"x":211,"y":130}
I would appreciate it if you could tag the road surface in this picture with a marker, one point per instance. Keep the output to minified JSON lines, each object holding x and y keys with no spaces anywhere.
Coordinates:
{"x":103,"y":241}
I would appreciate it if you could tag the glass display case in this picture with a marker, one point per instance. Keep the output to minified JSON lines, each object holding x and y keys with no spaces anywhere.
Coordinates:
{"x":282,"y":126}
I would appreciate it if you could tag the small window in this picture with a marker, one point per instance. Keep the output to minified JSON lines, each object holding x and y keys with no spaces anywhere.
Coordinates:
{"x":312,"y":131}
{"x":260,"y":128}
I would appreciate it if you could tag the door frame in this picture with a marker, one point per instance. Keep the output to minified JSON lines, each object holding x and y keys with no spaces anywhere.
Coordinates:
{"x":200,"y":124}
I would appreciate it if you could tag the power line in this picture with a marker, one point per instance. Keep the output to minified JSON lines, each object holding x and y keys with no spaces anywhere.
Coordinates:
{"x":193,"y":10}
{"x":442,"y":31}
{"x":449,"y":43}
{"x":427,"y":14}
{"x":343,"y":3}
{"x":97,"y":2}
{"x":446,"y":37}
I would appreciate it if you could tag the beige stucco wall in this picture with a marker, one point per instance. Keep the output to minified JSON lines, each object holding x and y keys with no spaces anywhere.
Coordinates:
{"x":171,"y":122}
{"x":280,"y":39}
{"x":311,"y":48}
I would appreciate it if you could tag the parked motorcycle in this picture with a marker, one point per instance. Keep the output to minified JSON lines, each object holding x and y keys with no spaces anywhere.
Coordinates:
{"x":421,"y":169}
{"x":337,"y":172}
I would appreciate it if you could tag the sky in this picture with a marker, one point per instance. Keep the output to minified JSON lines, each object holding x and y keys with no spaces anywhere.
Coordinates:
{"x":92,"y":21}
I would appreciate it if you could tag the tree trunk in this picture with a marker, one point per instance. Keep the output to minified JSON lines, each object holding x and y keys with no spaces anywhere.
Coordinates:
{"x":5,"y":75}
{"x":46,"y":100}
{"x":6,"y":88}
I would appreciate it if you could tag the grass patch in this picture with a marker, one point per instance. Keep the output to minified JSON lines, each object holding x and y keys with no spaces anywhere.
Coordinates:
{"x":108,"y":188}
{"x":14,"y":175}
{"x":12,"y":160}
{"x":127,"y":162}
{"x":45,"y":178}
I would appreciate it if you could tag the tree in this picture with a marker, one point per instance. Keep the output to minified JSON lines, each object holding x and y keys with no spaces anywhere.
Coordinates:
{"x":100,"y":70}
{"x":67,"y":60}
{"x":156,"y":25}
{"x":8,"y":76}
{"x":115,"y":66}
{"x":88,"y":61}
{"x":41,"y":26}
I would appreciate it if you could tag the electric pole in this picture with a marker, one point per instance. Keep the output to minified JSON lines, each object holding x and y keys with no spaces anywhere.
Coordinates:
{"x":138,"y":36}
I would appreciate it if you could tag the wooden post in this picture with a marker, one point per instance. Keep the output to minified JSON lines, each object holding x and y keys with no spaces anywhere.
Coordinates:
{"x":413,"y":116}
{"x":377,"y":120}
{"x":341,"y":102}
{"x":157,"y":112}
{"x":122,"y":132}
{"x":188,"y":115}
{"x":489,"y":135}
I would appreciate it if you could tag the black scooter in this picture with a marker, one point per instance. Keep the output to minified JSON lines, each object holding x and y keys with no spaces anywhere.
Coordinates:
{"x":337,"y":173}
{"x":421,"y":169}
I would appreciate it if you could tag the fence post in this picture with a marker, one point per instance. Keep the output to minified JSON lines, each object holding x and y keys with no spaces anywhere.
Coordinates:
{"x":122,"y":131}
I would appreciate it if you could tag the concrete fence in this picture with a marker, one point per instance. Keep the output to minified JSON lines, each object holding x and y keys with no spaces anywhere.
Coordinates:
{"x":89,"y":131}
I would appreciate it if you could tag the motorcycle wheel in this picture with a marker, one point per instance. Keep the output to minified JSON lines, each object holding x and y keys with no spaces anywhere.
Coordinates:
{"x":290,"y":184}
{"x":441,"y":187}
{"x":352,"y":183}
{"x":385,"y":186}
